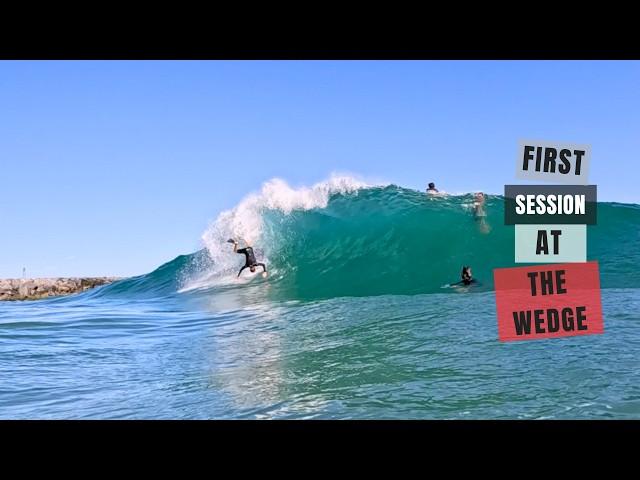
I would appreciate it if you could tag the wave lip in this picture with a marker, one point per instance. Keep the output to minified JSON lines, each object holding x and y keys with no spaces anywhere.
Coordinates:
{"x":246,"y":221}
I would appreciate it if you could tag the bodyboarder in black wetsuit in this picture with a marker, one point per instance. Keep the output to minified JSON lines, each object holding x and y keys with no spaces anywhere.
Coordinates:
{"x":250,"y":258}
{"x":467,"y":277}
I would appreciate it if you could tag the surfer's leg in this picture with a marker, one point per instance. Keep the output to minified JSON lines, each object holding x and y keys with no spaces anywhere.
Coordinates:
{"x":241,"y":270}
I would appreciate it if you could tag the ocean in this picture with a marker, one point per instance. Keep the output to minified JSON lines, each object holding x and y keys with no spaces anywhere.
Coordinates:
{"x":356,"y":320}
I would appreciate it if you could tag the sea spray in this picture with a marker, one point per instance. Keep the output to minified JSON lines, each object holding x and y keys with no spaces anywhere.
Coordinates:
{"x":245,"y":222}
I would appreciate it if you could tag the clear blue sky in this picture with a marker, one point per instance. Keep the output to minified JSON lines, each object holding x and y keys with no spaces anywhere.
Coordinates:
{"x":112,"y":168}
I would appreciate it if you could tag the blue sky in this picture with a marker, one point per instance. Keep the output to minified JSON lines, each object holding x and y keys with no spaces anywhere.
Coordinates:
{"x":112,"y":168}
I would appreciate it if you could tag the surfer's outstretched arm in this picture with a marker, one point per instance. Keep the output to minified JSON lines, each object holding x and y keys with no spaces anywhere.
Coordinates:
{"x":241,"y":271}
{"x":264,"y":268}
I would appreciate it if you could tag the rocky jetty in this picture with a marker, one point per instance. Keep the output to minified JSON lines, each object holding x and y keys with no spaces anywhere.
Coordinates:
{"x":37,"y":288}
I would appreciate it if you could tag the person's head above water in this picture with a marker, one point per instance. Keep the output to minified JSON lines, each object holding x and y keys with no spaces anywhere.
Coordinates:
{"x":432,"y":186}
{"x":252,"y":268}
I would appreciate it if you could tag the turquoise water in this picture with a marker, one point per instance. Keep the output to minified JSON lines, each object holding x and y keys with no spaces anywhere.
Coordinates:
{"x":353,"y":322}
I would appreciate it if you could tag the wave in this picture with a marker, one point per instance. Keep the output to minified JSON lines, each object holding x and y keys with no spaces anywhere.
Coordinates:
{"x":344,"y":237}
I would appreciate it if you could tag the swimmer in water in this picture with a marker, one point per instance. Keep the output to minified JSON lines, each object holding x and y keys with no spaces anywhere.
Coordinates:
{"x":432,"y":188}
{"x":480,"y":214}
{"x":478,"y":206}
{"x":250,"y":258}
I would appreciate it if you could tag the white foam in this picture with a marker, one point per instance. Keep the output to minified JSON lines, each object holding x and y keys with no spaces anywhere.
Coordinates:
{"x":244,"y":222}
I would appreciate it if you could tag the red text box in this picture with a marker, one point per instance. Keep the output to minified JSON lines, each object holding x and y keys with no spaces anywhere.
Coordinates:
{"x":548,"y":301}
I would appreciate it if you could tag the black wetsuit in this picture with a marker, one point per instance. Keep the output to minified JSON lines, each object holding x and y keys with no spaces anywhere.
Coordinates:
{"x":250,"y":259}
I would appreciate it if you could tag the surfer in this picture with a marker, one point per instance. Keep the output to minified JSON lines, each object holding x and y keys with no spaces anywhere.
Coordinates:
{"x":480,"y":214}
{"x":250,"y":258}
{"x":466,"y":275}
{"x":432,"y":188}
{"x":478,"y":206}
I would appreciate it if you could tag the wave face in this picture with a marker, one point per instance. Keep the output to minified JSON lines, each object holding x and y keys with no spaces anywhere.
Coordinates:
{"x":346,"y":238}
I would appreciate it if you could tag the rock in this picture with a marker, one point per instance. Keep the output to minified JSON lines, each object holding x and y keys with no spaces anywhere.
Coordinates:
{"x":35,"y":288}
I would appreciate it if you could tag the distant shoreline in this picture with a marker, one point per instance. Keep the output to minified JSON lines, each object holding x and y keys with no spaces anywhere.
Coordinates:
{"x":39,"y":288}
